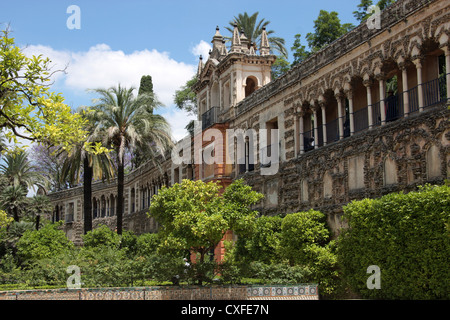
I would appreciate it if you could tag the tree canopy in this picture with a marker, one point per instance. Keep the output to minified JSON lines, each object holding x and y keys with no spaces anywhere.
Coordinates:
{"x":28,"y":109}
{"x":195,"y":216}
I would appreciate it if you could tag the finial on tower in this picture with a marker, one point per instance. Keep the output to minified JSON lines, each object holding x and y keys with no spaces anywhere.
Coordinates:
{"x":236,"y":40}
{"x":200,"y":66}
{"x":265,"y":47}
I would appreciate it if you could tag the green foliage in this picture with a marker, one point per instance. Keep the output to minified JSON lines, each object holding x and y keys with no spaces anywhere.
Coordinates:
{"x":279,"y":273}
{"x":185,"y":98}
{"x":27,"y":102}
{"x":263,"y":243}
{"x":4,"y":219}
{"x":362,"y":15}
{"x":43,"y":243}
{"x":327,"y":28}
{"x":407,"y":236}
{"x":100,"y":237}
{"x":280,"y":67}
{"x":194,"y":216}
{"x":299,"y":51}
{"x":300,"y":231}
{"x":147,"y":244}
{"x":146,"y":85}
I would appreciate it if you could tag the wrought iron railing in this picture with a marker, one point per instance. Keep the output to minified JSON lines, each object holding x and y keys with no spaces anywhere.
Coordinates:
{"x":210,"y":117}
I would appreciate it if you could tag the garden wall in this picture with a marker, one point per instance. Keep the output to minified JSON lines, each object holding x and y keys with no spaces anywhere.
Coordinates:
{"x":296,"y":292}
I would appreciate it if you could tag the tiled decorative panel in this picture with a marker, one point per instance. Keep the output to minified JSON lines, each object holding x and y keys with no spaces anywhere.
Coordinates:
{"x":297,"y":292}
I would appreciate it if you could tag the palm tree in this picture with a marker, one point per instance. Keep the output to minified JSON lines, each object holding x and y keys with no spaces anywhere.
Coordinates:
{"x":253,"y":28}
{"x":13,"y":199}
{"x":40,"y":205}
{"x":127,"y":122}
{"x":81,"y":164}
{"x":20,"y":172}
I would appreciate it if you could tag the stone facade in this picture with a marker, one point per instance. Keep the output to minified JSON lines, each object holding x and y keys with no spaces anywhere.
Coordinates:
{"x":341,"y":135}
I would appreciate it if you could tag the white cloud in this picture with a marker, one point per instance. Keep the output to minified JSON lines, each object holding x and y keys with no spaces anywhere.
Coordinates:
{"x":178,"y":120}
{"x":202,"y":49}
{"x":102,"y":67}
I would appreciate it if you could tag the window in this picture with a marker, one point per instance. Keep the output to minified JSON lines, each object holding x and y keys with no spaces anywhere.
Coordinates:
{"x":250,"y":86}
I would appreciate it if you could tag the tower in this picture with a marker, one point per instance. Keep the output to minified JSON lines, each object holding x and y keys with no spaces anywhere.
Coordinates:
{"x":231,"y":75}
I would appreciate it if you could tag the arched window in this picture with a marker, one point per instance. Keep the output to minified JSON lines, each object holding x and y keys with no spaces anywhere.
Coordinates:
{"x":250,"y":86}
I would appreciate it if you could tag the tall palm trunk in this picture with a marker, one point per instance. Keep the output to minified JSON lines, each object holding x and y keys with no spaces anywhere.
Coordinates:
{"x":87,"y":193}
{"x":120,"y":182}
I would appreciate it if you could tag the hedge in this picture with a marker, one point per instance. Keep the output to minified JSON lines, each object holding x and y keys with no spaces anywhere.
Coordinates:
{"x":407,"y":236}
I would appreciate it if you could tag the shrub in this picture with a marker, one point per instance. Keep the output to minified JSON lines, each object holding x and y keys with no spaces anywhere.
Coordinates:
{"x":262,"y":244}
{"x":43,"y":243}
{"x":280,"y":273}
{"x":407,"y":237}
{"x":299,"y":231}
{"x":101,"y":236}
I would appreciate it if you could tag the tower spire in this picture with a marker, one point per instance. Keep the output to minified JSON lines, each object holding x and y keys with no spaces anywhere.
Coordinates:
{"x":218,"y":44}
{"x":236,"y":40}
{"x":200,"y":66}
{"x":265,"y":47}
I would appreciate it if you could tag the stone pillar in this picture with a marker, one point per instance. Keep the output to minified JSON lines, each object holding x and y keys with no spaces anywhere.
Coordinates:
{"x":302,"y":130}
{"x":316,"y":129}
{"x":405,"y":89}
{"x":447,"y":69}
{"x":349,"y":94}
{"x":340,"y":115}
{"x":368,"y":84}
{"x":382,"y":88}
{"x":324,"y":123}
{"x":418,"y":63}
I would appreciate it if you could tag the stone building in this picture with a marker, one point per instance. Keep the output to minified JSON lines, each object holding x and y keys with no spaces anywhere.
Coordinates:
{"x":331,"y":130}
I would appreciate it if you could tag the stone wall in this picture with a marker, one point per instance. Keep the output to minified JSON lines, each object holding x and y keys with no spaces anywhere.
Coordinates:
{"x":399,"y":156}
{"x":294,"y":292}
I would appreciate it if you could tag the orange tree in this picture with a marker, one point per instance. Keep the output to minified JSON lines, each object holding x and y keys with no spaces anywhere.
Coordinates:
{"x":195,"y":215}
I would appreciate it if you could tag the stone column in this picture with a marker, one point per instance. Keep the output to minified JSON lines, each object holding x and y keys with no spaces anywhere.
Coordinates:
{"x":368,"y":84}
{"x":349,"y":94}
{"x":208,"y":95}
{"x":418,"y":63}
{"x":405,"y":89}
{"x":302,"y":130}
{"x":324,"y":122}
{"x":316,"y":129}
{"x":447,"y":69}
{"x":382,"y":88}
{"x":340,"y":115}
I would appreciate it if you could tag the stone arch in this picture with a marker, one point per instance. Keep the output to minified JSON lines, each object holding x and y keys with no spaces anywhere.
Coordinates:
{"x":251,"y":85}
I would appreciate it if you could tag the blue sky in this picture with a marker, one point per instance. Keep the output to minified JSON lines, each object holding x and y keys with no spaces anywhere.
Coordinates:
{"x":119,"y":41}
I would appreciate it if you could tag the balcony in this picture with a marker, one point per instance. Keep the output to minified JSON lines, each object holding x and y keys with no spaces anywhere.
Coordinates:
{"x":210,"y":118}
{"x":433,"y":92}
